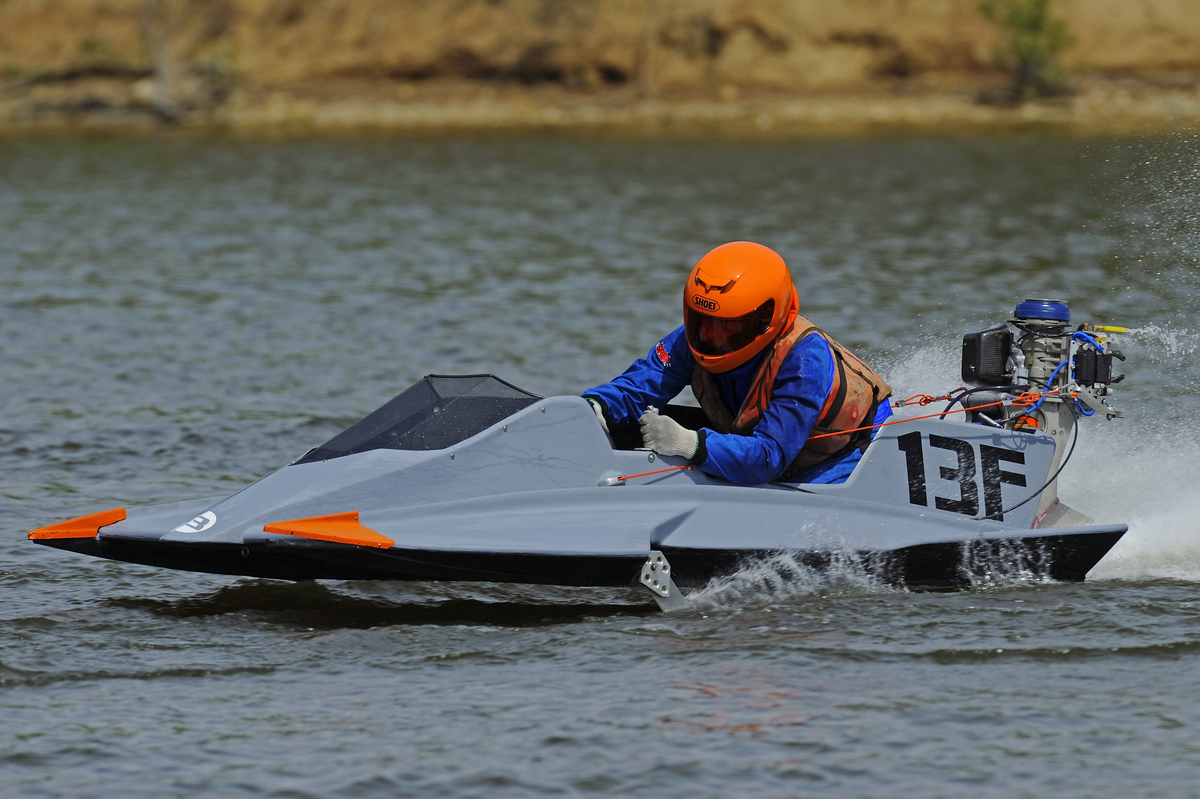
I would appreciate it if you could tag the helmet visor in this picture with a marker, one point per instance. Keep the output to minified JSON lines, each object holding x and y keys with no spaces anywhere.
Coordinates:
{"x":712,"y":335}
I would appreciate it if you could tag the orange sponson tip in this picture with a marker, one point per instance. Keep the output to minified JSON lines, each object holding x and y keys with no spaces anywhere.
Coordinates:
{"x":340,"y":528}
{"x":83,"y":527}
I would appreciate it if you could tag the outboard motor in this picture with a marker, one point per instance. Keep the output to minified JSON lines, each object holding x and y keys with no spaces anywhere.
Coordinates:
{"x":1036,"y":351}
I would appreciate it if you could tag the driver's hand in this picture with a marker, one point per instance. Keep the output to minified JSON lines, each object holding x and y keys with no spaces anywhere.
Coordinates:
{"x":666,"y":436}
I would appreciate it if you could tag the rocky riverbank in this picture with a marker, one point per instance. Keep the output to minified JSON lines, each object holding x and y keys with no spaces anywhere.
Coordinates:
{"x":625,"y":67}
{"x":353,"y":108}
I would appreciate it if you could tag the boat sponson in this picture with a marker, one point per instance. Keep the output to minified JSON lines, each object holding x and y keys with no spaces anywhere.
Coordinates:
{"x":231,"y":559}
{"x":330,"y":561}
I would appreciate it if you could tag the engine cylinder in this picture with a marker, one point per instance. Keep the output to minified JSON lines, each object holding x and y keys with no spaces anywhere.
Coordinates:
{"x":1045,"y":340}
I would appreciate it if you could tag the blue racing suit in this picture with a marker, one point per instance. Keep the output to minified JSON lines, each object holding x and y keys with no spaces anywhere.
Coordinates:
{"x":797,"y":397}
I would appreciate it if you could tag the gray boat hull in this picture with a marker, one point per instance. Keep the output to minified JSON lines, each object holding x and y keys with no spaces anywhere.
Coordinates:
{"x":535,"y":498}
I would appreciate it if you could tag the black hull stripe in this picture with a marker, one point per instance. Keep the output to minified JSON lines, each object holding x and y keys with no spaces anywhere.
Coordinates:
{"x":945,"y":565}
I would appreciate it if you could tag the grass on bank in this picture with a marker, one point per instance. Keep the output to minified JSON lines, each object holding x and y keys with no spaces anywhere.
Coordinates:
{"x":1033,"y":41}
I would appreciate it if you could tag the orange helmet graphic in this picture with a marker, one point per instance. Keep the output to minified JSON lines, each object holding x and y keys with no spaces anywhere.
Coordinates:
{"x":737,"y":300}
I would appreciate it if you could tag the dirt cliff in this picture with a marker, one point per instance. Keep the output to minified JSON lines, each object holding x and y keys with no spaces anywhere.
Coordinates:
{"x":397,"y":64}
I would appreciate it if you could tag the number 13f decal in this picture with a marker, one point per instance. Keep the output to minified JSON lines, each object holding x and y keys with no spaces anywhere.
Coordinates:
{"x":964,"y":474}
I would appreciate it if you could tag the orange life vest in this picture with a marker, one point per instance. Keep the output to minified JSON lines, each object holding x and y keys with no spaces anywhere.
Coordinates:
{"x":852,"y":402}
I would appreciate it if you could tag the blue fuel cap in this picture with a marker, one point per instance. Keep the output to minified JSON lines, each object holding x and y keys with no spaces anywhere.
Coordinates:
{"x":1053,"y":310}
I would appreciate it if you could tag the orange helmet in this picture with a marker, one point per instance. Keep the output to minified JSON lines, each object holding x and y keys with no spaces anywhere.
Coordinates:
{"x":737,"y":300}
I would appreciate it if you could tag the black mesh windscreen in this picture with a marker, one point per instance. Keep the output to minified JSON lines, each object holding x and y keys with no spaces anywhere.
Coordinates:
{"x":436,"y":413}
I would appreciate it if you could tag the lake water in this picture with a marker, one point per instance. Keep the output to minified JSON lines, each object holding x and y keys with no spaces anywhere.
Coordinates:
{"x":179,"y":318}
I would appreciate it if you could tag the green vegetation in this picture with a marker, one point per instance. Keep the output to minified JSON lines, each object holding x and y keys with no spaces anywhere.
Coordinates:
{"x":94,"y":51}
{"x":1033,"y":41}
{"x":13,"y":71}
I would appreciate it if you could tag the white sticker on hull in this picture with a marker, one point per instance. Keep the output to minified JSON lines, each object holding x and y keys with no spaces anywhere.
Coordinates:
{"x":199,"y":524}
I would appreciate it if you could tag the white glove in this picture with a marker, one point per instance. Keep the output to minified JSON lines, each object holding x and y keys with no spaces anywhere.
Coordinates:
{"x":666,"y":436}
{"x":599,"y":414}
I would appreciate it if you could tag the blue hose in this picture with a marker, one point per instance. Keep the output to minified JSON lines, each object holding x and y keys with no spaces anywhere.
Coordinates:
{"x":1049,"y":383}
{"x":1079,"y":334}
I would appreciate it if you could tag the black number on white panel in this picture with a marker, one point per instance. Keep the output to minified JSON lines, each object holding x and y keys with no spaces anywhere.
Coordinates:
{"x":963,"y":474}
{"x":993,"y":476}
{"x":910,"y":445}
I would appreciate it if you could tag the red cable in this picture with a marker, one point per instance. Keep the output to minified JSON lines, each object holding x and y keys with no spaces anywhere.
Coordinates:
{"x":647,"y":474}
{"x":1025,"y":399}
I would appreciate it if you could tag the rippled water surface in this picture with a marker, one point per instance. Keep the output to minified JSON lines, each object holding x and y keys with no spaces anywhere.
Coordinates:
{"x":177,"y":319}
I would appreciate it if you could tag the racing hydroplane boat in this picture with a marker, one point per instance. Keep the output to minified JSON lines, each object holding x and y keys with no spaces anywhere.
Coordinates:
{"x":471,"y":478}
